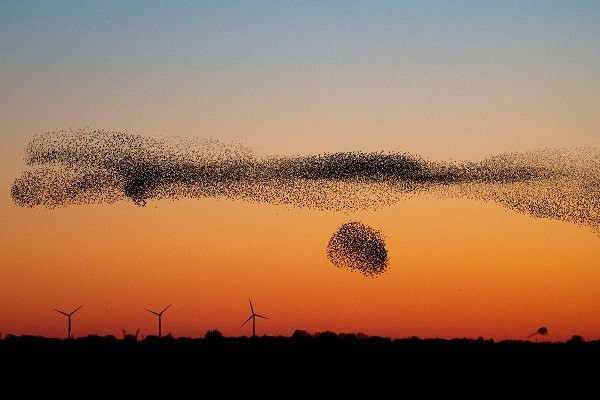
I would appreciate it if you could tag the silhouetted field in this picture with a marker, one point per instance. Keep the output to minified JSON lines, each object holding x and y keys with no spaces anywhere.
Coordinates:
{"x":300,"y":344}
{"x":302,"y":363}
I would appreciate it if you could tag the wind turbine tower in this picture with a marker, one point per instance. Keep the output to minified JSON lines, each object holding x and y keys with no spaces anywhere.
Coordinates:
{"x":69,"y":317}
{"x":159,"y":315}
{"x":253,"y":318}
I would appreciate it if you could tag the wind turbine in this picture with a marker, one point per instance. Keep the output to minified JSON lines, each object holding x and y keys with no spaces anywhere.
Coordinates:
{"x":253,"y":318}
{"x":127,"y":336}
{"x":159,"y":315}
{"x":69,"y":316}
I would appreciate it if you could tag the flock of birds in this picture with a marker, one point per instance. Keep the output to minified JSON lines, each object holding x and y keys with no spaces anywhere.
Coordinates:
{"x":358,"y":247}
{"x":92,"y":166}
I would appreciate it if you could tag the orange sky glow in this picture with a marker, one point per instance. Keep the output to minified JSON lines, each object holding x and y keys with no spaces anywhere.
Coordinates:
{"x":441,"y":81}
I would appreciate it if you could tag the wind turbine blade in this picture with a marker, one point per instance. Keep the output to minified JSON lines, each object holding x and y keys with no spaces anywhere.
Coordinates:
{"x":251,"y":309}
{"x":248,"y":319}
{"x":73,"y":312}
{"x":166,"y":308}
{"x":261,"y":316}
{"x":63,"y":313}
{"x":150,"y":311}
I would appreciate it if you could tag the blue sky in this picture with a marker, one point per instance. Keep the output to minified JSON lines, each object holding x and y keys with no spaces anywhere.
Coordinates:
{"x":264,"y":72}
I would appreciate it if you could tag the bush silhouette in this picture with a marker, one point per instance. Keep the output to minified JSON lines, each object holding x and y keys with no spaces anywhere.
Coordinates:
{"x":213,"y":334}
{"x":301,"y":334}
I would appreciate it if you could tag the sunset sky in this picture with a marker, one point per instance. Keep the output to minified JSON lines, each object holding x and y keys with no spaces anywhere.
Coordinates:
{"x":447,"y":81}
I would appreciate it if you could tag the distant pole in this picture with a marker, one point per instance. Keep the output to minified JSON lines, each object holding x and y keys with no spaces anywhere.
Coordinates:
{"x":69,"y":333}
{"x":253,"y":326}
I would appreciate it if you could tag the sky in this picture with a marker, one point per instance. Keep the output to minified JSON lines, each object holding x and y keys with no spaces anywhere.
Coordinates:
{"x":448,"y":81}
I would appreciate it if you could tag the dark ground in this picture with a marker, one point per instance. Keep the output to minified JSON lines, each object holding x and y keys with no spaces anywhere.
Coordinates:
{"x":307,"y":365}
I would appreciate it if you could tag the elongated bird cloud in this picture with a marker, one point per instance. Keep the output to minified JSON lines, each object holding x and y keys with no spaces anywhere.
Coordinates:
{"x":91,"y":166}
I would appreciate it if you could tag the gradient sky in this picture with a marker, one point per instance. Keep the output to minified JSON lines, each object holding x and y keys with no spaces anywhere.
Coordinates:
{"x":443,"y":80}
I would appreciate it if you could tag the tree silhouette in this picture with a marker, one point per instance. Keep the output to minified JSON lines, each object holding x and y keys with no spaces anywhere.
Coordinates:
{"x":543,"y":331}
{"x":301,"y":334}
{"x":575,"y":339}
{"x":213,"y":334}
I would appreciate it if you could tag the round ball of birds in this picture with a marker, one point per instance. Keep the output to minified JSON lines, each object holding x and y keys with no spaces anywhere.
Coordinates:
{"x":358,"y":247}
